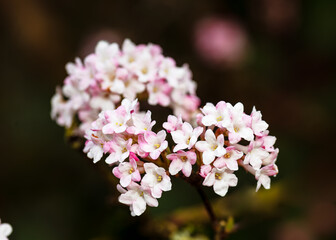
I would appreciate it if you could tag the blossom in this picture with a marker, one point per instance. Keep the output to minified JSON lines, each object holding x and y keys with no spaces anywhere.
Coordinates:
{"x":5,"y":230}
{"x":186,"y":137}
{"x":152,"y":143}
{"x":141,"y":123}
{"x":212,"y":147}
{"x":263,"y":174}
{"x":258,"y":126}
{"x":173,"y":123}
{"x":256,"y":155}
{"x":138,"y":197}
{"x":119,"y":149}
{"x":216,"y":115}
{"x":156,"y":179}
{"x":220,"y":179}
{"x":239,"y":126}
{"x":229,"y":159}
{"x":159,"y":92}
{"x":127,"y":172}
{"x":182,"y":161}
{"x":117,"y":120}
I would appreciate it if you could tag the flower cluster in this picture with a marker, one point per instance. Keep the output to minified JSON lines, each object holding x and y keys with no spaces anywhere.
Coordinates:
{"x":5,"y":231}
{"x":223,"y":138}
{"x":110,"y":74}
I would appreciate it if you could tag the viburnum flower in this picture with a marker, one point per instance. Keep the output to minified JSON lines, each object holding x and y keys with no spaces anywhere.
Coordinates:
{"x":212,"y":147}
{"x":239,"y":124}
{"x":229,"y":159}
{"x":137,"y":197}
{"x":186,"y":137}
{"x":216,"y":115}
{"x":173,"y":123}
{"x":116,"y":121}
{"x":220,"y":179}
{"x":152,"y":143}
{"x":5,"y":231}
{"x":127,"y":172}
{"x":156,"y":179}
{"x":182,"y":161}
{"x":99,"y":102}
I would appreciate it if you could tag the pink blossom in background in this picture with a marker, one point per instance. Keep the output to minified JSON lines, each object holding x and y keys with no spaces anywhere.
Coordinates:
{"x":220,"y":41}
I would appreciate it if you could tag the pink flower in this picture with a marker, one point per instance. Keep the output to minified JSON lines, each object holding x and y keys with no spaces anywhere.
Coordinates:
{"x":156,"y":179}
{"x":152,"y":143}
{"x":141,"y":123}
{"x":229,"y":159}
{"x":137,"y":197}
{"x":218,"y":116}
{"x":256,"y":155}
{"x":263,"y":174}
{"x":159,"y":92}
{"x":127,"y":172}
{"x":182,"y":161}
{"x":239,"y":126}
{"x":220,"y":179}
{"x":186,"y":137}
{"x":212,"y":147}
{"x":117,"y":120}
{"x":258,"y":126}
{"x":119,"y":149}
{"x":173,"y":124}
{"x":205,"y":170}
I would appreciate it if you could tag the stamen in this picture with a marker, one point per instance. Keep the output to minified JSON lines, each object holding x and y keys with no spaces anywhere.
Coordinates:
{"x":131,"y":171}
{"x":227,"y":155}
{"x":220,"y":118}
{"x":218,"y":176}
{"x":159,"y":178}
{"x":94,"y":135}
{"x":236,"y":129}
{"x":156,"y":145}
{"x":184,"y":158}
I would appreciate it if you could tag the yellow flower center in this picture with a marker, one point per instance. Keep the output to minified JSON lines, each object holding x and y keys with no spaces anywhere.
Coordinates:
{"x":159,"y":178}
{"x":227,"y":155}
{"x":144,"y":70}
{"x":236,"y":129}
{"x":220,"y":118}
{"x":156,"y":145}
{"x":214,"y":147}
{"x":184,"y":158}
{"x":131,"y":171}
{"x":218,"y":176}
{"x":124,"y":150}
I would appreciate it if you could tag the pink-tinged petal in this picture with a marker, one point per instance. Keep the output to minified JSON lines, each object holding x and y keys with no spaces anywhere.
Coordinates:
{"x":178,"y":136}
{"x":125,"y":180}
{"x":202,"y":146}
{"x":187,"y":168}
{"x":116,"y":172}
{"x":265,"y":181}
{"x":155,"y":154}
{"x":139,"y":206}
{"x":121,"y":189}
{"x":172,"y":157}
{"x":180,"y":147}
{"x":127,"y":198}
{"x":108,"y":128}
{"x":210,"y":136}
{"x":191,"y":155}
{"x":208,"y":157}
{"x":220,"y":163}
{"x":232,"y":164}
{"x":175,"y":166}
{"x":152,"y":202}
{"x":120,"y":129}
{"x":221,"y":188}
{"x":111,"y":159}
{"x":149,"y":136}
{"x":234,"y":137}
{"x":149,"y":167}
{"x":136,"y":177}
{"x":231,"y":179}
{"x":156,"y":191}
{"x":163,"y":146}
{"x":198,"y":131}
{"x":220,"y":151}
{"x":220,"y":140}
{"x":239,"y":107}
{"x":161,"y":135}
{"x":209,"y":180}
{"x":205,"y":170}
{"x":165,"y":184}
{"x":246,"y":133}
{"x":187,"y":128}
{"x":208,"y":120}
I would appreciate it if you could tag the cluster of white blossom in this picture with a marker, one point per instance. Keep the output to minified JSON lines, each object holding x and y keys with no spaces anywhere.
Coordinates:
{"x":208,"y":144}
{"x":5,"y":230}
{"x":212,"y":149}
{"x":110,"y":74}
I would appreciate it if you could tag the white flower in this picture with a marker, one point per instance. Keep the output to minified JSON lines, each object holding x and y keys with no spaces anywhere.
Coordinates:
{"x":141,"y":123}
{"x":5,"y":230}
{"x":239,"y":126}
{"x":152,"y":143}
{"x":229,"y":159}
{"x":218,"y":115}
{"x":182,"y":161}
{"x":156,"y":179}
{"x":186,"y":137}
{"x":137,"y":197}
{"x":258,"y":126}
{"x":220,"y":179}
{"x":211,"y":147}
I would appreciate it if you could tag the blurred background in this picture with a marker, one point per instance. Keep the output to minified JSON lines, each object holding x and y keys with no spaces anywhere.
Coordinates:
{"x":277,"y":55}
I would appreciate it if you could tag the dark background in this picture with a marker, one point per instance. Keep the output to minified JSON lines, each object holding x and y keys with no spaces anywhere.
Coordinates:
{"x":49,"y":191}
